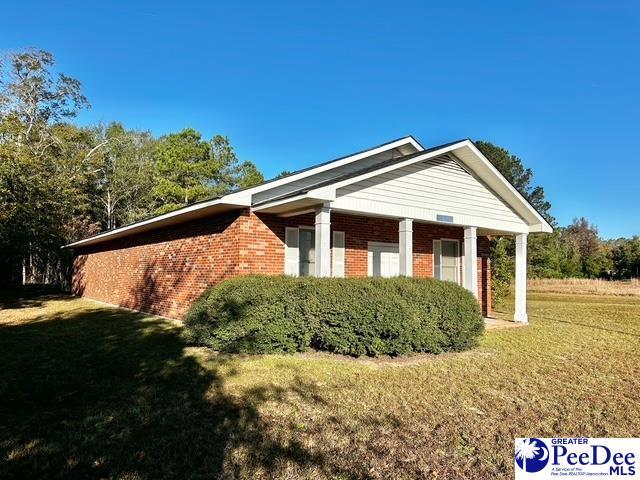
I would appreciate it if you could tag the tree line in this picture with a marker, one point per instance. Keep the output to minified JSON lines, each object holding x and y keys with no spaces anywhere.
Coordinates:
{"x":573,"y":251}
{"x":60,"y":182}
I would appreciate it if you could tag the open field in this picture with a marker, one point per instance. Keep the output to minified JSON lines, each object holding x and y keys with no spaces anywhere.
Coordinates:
{"x":87,"y":391}
{"x":584,"y":286}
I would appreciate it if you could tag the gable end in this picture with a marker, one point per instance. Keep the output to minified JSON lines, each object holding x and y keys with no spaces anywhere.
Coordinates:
{"x":429,"y":190}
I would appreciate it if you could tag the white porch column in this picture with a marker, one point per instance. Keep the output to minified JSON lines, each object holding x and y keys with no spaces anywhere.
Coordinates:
{"x":406,"y":247}
{"x":323,"y":241}
{"x":521,"y":278}
{"x":471,"y":260}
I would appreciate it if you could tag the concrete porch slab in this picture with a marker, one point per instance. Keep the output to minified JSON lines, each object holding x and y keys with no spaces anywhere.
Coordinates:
{"x":493,"y":323}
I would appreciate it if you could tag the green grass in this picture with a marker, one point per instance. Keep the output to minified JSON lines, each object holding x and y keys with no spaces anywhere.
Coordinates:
{"x":87,"y":391}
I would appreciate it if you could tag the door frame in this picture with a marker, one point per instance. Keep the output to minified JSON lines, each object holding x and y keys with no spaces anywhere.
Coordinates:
{"x":459,"y":272}
{"x":378,"y":244}
{"x":312,"y":229}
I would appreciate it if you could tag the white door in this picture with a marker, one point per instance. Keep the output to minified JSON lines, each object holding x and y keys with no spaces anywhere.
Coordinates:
{"x":384,"y":260}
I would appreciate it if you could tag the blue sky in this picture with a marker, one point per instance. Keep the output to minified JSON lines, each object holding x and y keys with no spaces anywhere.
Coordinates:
{"x":296,"y":83}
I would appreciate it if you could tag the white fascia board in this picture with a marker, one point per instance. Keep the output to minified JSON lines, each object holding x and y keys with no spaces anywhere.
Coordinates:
{"x":322,"y":195}
{"x":282,"y":201}
{"x":231,"y":200}
{"x":327,"y":194}
{"x":238,"y":198}
{"x":540,"y":228}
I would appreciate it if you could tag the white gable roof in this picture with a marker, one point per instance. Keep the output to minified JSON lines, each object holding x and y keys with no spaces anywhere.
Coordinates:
{"x":322,"y":182}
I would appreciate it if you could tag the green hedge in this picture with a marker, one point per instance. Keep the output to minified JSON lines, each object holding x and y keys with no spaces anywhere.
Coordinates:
{"x":365,"y":316}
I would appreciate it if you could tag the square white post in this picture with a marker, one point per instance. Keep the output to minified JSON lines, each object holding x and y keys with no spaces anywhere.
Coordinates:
{"x":406,"y":247}
{"x":323,"y":241}
{"x":521,"y":279}
{"x":471,"y":260}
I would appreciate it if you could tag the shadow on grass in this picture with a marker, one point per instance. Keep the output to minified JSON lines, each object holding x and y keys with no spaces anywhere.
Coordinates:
{"x":29,"y":296}
{"x":104,"y":393}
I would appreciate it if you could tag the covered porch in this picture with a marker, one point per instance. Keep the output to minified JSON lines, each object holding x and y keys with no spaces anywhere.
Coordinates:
{"x":324,"y":241}
{"x":440,"y":206}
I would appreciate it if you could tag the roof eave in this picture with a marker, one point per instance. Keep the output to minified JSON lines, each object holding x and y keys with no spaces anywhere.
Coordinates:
{"x":541,"y":228}
{"x":191,"y":212}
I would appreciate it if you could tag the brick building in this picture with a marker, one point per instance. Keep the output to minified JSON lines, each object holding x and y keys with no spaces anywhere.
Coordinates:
{"x":395,"y":209}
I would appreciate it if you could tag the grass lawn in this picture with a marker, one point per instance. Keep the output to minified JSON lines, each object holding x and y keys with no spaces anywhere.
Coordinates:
{"x":90,"y":391}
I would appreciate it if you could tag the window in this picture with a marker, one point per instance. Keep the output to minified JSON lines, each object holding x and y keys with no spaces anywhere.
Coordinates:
{"x":300,"y":252}
{"x":446,"y":260}
{"x":307,"y":261}
{"x":384,"y":259}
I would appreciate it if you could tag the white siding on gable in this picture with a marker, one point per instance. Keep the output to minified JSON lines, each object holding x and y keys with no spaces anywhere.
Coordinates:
{"x":424,"y":190}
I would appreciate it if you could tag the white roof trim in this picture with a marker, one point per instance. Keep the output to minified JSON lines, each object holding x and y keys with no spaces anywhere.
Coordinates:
{"x":281,"y":201}
{"x":165,"y":218}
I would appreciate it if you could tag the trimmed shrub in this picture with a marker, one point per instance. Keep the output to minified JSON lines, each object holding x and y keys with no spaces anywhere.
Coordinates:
{"x":364,"y":316}
{"x":250,"y":314}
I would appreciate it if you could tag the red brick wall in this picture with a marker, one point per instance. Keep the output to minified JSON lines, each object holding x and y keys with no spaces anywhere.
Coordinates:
{"x":267,"y":255}
{"x":484,"y":275}
{"x":163,"y":271}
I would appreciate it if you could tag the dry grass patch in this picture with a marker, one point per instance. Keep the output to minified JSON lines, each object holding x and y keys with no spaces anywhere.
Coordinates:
{"x":584,"y":286}
{"x":94,"y":392}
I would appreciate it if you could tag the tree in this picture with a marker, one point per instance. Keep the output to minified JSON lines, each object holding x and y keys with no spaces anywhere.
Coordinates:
{"x":231,"y":175}
{"x":124,"y":174}
{"x":518,"y":175}
{"x":544,"y":255}
{"x":584,"y":237}
{"x":60,"y":182}
{"x":284,"y":173}
{"x":570,"y":260}
{"x":38,"y":177}
{"x":189,"y":169}
{"x":502,"y":267}
{"x":183,"y":169}
{"x":625,"y":255}
{"x":248,"y":176}
{"x":33,"y":98}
